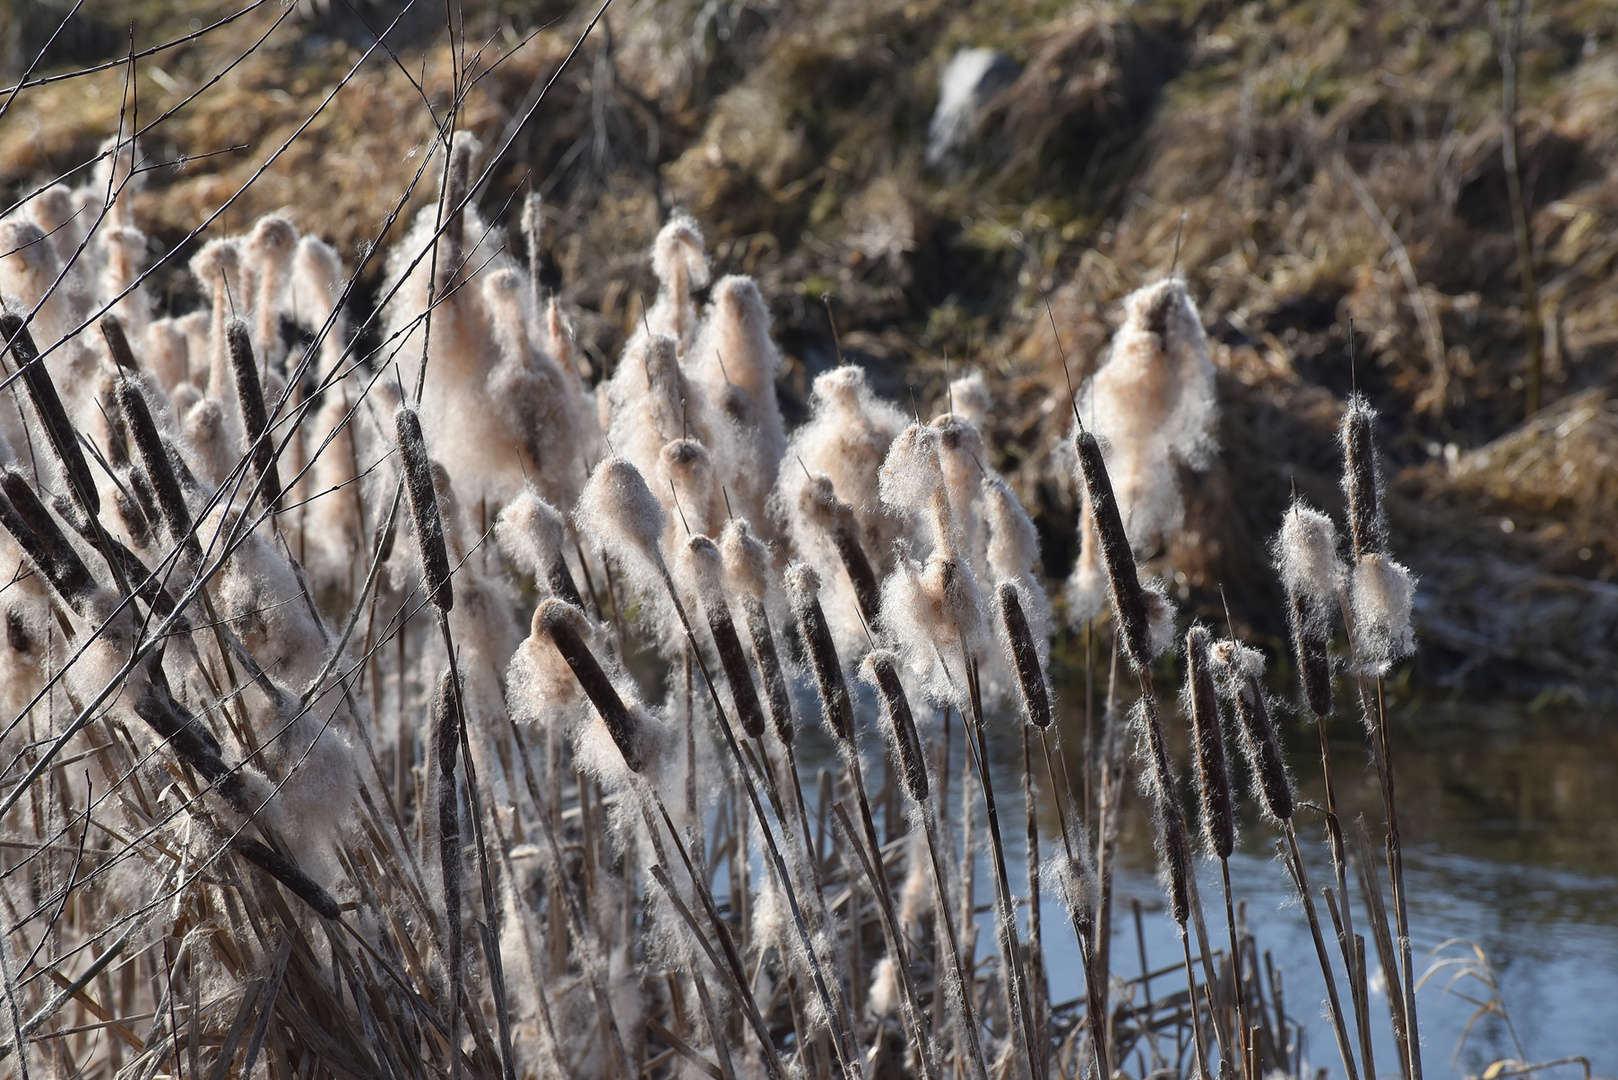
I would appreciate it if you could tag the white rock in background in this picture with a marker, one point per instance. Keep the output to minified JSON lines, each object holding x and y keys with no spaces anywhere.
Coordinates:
{"x":969,"y":80}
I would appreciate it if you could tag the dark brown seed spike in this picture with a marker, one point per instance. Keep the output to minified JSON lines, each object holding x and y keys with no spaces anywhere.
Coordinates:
{"x":1128,"y":598}
{"x":1366,"y":525}
{"x":58,"y":428}
{"x":255,"y":420}
{"x":559,"y":579}
{"x":557,"y":623}
{"x":286,"y":871}
{"x":867,"y":593}
{"x":1263,"y":746}
{"x":424,"y":509}
{"x":731,"y":657}
{"x":1213,"y":772}
{"x":776,"y":691}
{"x":112,"y":328}
{"x":159,"y":467}
{"x":1311,"y":650}
{"x":1036,"y":698}
{"x":1175,"y":846}
{"x":912,"y":762}
{"x":834,"y":699}
{"x":36,"y":532}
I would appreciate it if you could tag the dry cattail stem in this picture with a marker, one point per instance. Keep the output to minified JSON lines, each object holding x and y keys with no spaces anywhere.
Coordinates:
{"x":255,"y":420}
{"x":1123,"y":580}
{"x":424,"y":509}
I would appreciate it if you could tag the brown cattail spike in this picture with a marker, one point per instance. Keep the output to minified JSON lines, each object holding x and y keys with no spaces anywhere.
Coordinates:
{"x":1312,"y":651}
{"x":452,"y":251}
{"x":817,"y":639}
{"x":1213,"y":773}
{"x":255,"y":420}
{"x":1174,"y":848}
{"x":1128,"y":598}
{"x":1361,"y":478}
{"x":1036,"y":697}
{"x":907,"y":743}
{"x":777,"y":694}
{"x":424,"y":509}
{"x":1241,"y":668}
{"x":58,"y":428}
{"x":286,"y":871}
{"x":729,"y":646}
{"x":112,"y":328}
{"x":557,"y":620}
{"x":159,"y":469}
{"x":37,"y":533}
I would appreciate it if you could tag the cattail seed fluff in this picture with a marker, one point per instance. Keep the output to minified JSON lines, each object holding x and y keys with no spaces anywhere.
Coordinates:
{"x":1382,"y":593}
{"x":424,"y":509}
{"x":1311,"y":572}
{"x":1213,"y":773}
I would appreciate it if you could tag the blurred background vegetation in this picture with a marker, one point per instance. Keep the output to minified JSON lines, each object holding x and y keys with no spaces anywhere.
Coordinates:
{"x":1302,"y":164}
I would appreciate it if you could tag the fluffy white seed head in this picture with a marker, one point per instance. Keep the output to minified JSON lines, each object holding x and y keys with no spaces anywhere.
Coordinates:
{"x":1306,"y":554}
{"x":747,"y":560}
{"x":530,"y":533}
{"x":619,"y":513}
{"x":1383,"y":595}
{"x":1154,"y":400}
{"x":680,"y":262}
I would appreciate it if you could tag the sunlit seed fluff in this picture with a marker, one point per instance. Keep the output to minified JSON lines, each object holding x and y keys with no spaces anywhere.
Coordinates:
{"x":1362,"y":478}
{"x":820,"y":505}
{"x":270,"y":246}
{"x":620,"y":513}
{"x":911,"y":480}
{"x":1383,"y":595}
{"x":680,"y":262}
{"x":1200,"y":701}
{"x":881,"y":670}
{"x":1306,"y":556}
{"x":803,"y":590}
{"x":533,"y":535}
{"x":1239,"y":672}
{"x":424,"y":509}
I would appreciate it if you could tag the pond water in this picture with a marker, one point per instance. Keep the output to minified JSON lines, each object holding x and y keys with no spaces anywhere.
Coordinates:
{"x":1510,"y":823}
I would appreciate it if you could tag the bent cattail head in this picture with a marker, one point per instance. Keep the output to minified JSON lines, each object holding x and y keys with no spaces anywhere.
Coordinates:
{"x":1200,"y":701}
{"x":1383,"y":595}
{"x":568,"y":630}
{"x":702,"y":569}
{"x":880,"y":669}
{"x":1362,"y":478}
{"x":424,"y":509}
